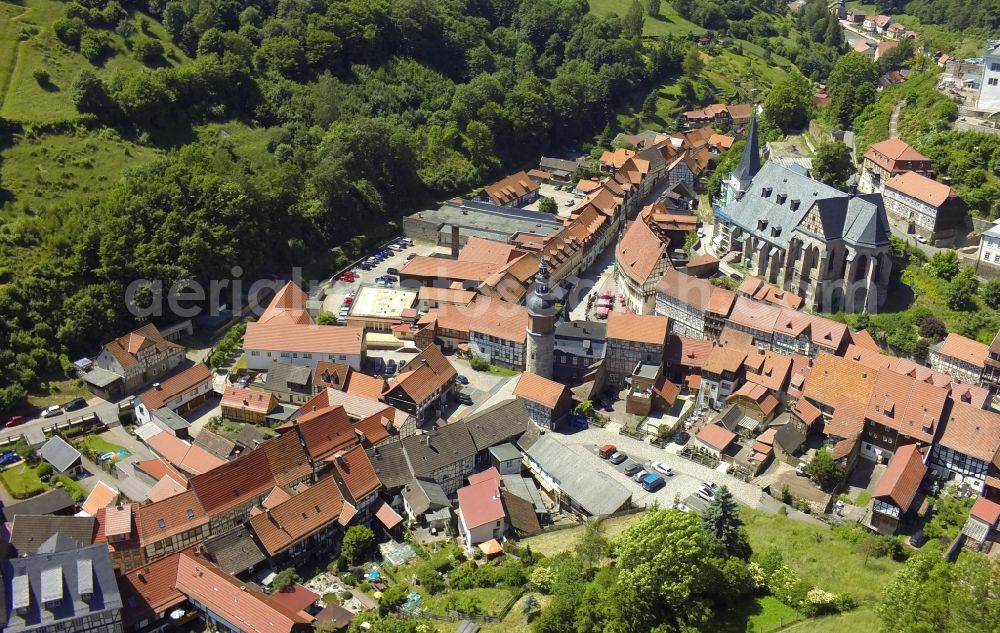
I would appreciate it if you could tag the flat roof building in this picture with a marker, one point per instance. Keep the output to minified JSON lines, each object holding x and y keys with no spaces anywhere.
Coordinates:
{"x":479,"y":219}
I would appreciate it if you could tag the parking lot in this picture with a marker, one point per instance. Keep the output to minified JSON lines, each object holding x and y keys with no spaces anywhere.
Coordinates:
{"x":564,"y":197}
{"x":337,"y":289}
{"x":682,"y":486}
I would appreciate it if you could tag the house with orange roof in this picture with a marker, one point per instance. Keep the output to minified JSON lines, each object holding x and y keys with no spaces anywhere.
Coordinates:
{"x":285,"y":332}
{"x":756,"y":402}
{"x":139,"y":357}
{"x":960,"y":357}
{"x":715,"y":440}
{"x":547,"y":401}
{"x":695,"y":307}
{"x":808,"y":334}
{"x":172,"y":524}
{"x":980,"y":528}
{"x":247,"y":405}
{"x":614,"y":159}
{"x":756,"y":288}
{"x":968,"y":448}
{"x":498,"y":332}
{"x":423,"y":386}
{"x":921,"y":205}
{"x":181,"y":392}
{"x":890,"y":158}
{"x":756,"y":319}
{"x":631,"y":339}
{"x":833,"y":378}
{"x":515,"y":190}
{"x":896,"y":492}
{"x":641,"y":259}
{"x":116,"y":527}
{"x":306,"y":521}
{"x":356,"y":477}
{"x":901,"y":410}
{"x":722,"y":374}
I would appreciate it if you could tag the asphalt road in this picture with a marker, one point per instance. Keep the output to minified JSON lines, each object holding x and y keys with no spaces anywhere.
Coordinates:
{"x":107,"y":411}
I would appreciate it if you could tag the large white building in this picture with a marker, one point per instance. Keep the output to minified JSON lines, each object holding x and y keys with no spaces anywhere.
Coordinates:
{"x":989,"y":91}
{"x":285,"y":332}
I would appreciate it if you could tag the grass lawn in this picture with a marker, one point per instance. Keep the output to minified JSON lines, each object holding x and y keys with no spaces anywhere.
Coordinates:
{"x":60,"y":392}
{"x":669,"y":22}
{"x":861,"y":619}
{"x":486,"y":599}
{"x":820,"y":557}
{"x":62,"y":167}
{"x":551,"y":543}
{"x":97,"y":444}
{"x":21,"y":479}
{"x":515,"y":622}
{"x":765,"y":613}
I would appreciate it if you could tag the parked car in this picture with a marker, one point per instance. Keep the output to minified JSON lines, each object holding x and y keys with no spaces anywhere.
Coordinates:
{"x":710,"y":485}
{"x":462,"y":380}
{"x":663,"y":469}
{"x":639,"y":476}
{"x":652,"y":482}
{"x":706,"y":493}
{"x":395,"y":247}
{"x":348,"y":300}
{"x":701,"y":232}
{"x":52,"y":411}
{"x":393,"y":271}
{"x":8,"y":458}
{"x":921,"y":238}
{"x":607,"y":451}
{"x":14,"y":421}
{"x":578,"y":422}
{"x":348,"y":276}
{"x":378,"y":365}
{"x":464,"y":398}
{"x":410,"y":256}
{"x":632,"y":469}
{"x":617,"y":458}
{"x":390,"y":367}
{"x":800,"y":470}
{"x":74,"y":404}
{"x":735,"y":276}
{"x":569,"y":203}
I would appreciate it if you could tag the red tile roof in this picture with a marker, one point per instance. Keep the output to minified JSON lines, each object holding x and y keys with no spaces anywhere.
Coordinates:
{"x":150,"y":590}
{"x":639,"y":250}
{"x":125,"y":348}
{"x":886,"y":153}
{"x":295,"y":598}
{"x":249,"y":610}
{"x":282,"y":526}
{"x":754,"y":315}
{"x":511,"y":188}
{"x":288,"y":306}
{"x":716,"y":436}
{"x":490,"y":474}
{"x":689,"y":352}
{"x":235,"y":482}
{"x":848,"y":419}
{"x":425,"y":374}
{"x":972,"y":431}
{"x":248,"y":399}
{"x":165,"y":488}
{"x":480,"y":504}
{"x":965,"y":350}
{"x":122,"y":522}
{"x":986,"y":510}
{"x":834,"y":377}
{"x":299,"y":337}
{"x":387,"y":516}
{"x":162,"y":519}
{"x":355,"y":473}
{"x":639,"y":328}
{"x":158,"y":469}
{"x":187,"y":457}
{"x":363,"y":385}
{"x":922,"y":188}
{"x":806,"y":411}
{"x":540,"y":390}
{"x":912,"y":408}
{"x":901,"y":479}
{"x":287,"y":459}
{"x":330,"y":374}
{"x":724,"y":359}
{"x":101,"y":496}
{"x":176,"y":385}
{"x":690,"y":290}
{"x":479,"y":249}
{"x":863,"y":339}
{"x":325,"y":430}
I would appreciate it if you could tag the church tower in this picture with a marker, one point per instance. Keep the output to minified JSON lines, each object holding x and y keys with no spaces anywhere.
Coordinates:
{"x":739,"y":181}
{"x":541,"y":325}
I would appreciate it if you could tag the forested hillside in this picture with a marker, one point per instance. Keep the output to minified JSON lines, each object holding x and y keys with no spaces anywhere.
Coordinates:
{"x":341,"y":114}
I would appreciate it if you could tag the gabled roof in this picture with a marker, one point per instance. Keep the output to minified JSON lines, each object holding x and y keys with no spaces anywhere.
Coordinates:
{"x":126,"y":348}
{"x":886,"y":153}
{"x":355,"y":473}
{"x":424,"y":495}
{"x":689,"y":290}
{"x":965,"y":350}
{"x":539,"y":390}
{"x":848,"y":419}
{"x":235,"y":551}
{"x":187,"y":457}
{"x":440,"y":448}
{"x":29,"y":531}
{"x":303,"y":337}
{"x":157,"y":469}
{"x":330,"y":374}
{"x":478,"y":249}
{"x":639,"y":328}
{"x":480,"y":503}
{"x":425,"y":374}
{"x":286,"y":459}
{"x":901,"y":479}
{"x":176,"y":385}
{"x":502,"y":422}
{"x":248,"y":399}
{"x":235,"y":482}
{"x":834,"y":377}
{"x":716,"y":436}
{"x":280,"y":527}
{"x":913,"y":408}
{"x":724,"y":359}
{"x":639,"y":249}
{"x":511,"y":188}
{"x":754,"y":315}
{"x":986,"y":510}
{"x":325,"y":431}
{"x":287,"y":306}
{"x":391,"y":464}
{"x":245,"y":608}
{"x":972,"y":431}
{"x":59,"y":453}
{"x":162,"y":519}
{"x":768,"y":368}
{"x":165,"y":488}
{"x":101,"y":496}
{"x":922,"y":188}
{"x":49,"y":502}
{"x":150,"y":590}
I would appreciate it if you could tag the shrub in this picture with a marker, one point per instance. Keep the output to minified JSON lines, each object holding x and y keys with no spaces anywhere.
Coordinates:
{"x":44,"y":469}
{"x":285,"y":579}
{"x":542,"y":578}
{"x":479,"y":364}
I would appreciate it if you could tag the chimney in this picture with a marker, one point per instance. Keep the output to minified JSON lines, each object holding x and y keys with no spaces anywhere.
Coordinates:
{"x":454,"y":240}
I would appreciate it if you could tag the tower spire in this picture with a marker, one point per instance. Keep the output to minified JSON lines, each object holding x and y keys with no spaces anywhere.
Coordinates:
{"x":750,"y":161}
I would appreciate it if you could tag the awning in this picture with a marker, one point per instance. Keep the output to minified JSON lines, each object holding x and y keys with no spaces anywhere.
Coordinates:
{"x":748,"y":423}
{"x":491,"y":547}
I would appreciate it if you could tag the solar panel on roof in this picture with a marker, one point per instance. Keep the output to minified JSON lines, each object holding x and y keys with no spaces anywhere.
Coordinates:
{"x":52,"y":585}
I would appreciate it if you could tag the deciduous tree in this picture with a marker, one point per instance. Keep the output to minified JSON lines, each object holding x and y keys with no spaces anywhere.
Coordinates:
{"x":833,"y":164}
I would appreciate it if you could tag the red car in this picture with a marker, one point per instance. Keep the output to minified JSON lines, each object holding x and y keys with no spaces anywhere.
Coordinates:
{"x":348,"y":300}
{"x":14,"y":421}
{"x":348,"y":276}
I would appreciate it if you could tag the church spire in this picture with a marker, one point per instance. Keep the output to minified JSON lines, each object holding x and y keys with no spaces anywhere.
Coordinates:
{"x":750,"y":161}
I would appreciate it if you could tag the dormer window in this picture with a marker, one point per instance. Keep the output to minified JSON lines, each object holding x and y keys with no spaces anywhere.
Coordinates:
{"x":775,"y":231}
{"x":782,"y":197}
{"x":766,"y":192}
{"x":795,"y":205}
{"x":761,"y":225}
